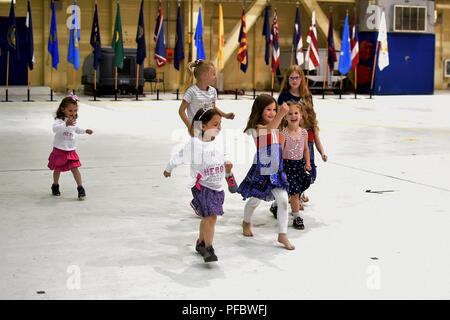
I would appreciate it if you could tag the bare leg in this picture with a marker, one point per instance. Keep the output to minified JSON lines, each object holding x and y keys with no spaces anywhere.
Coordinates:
{"x":210,"y":223}
{"x":56,"y":175}
{"x":201,"y":236}
{"x":296,"y":203}
{"x":77,"y":175}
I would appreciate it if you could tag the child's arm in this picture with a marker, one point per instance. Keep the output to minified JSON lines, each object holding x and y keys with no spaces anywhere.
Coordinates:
{"x":182,"y":112}
{"x":307,"y":156}
{"x":319,"y":146}
{"x":60,"y":125}
{"x":225,"y":115}
{"x":282,"y":111}
{"x":177,"y":159}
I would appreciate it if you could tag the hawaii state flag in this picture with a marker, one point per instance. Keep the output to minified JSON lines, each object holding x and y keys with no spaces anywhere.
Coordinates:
{"x":312,"y":56}
{"x":354,"y":44}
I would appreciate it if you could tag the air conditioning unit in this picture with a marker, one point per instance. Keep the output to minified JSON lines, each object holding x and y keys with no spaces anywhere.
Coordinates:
{"x":410,"y":18}
{"x":447,"y":68}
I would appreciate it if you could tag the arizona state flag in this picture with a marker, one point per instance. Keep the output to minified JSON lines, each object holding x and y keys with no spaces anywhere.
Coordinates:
{"x":242,"y":56}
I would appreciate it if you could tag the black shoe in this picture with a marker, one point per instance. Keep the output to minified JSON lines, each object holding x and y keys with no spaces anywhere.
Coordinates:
{"x":200,"y":247}
{"x":274,"y":209}
{"x":81,"y":193}
{"x":298,"y":223}
{"x":55,"y":190}
{"x":209,"y":255}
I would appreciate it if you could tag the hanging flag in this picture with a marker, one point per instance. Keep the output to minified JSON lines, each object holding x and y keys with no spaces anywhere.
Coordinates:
{"x":383,"y":57}
{"x":275,"y":40}
{"x":221,"y":40}
{"x":345,"y":58}
{"x":242,"y":56}
{"x":198,"y":37}
{"x":12,"y":36}
{"x":52,"y":45}
{"x":29,"y":37}
{"x":141,"y":52}
{"x":354,"y":44}
{"x":331,"y":59}
{"x":179,"y":49}
{"x":160,"y":49}
{"x":95,"y":39}
{"x":266,"y":34}
{"x":312,"y":56}
{"x":117,"y":41}
{"x":73,"y":54}
{"x":297,"y":42}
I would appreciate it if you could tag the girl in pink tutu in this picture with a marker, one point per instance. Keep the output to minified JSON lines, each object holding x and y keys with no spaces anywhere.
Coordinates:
{"x":63,"y":156}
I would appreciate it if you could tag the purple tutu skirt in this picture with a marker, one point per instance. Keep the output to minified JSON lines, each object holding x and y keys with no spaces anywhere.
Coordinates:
{"x":61,"y":160}
{"x":207,"y":202}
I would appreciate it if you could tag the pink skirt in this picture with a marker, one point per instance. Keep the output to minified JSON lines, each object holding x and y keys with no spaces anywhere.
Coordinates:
{"x":61,"y":160}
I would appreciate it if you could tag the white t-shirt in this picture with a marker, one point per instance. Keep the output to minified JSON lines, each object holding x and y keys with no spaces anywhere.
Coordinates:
{"x":198,"y":98}
{"x":206,"y":159}
{"x":65,"y":135}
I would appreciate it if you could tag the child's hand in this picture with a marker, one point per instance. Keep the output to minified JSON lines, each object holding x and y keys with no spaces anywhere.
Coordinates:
{"x":191,"y":131}
{"x":324,"y":158}
{"x":89,"y":131}
{"x":71,"y":122}
{"x":308,"y":167}
{"x":167,"y":174}
{"x":284,"y":108}
{"x":229,"y":115}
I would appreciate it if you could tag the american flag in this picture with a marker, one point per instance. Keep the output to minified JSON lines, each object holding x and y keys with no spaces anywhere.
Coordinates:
{"x":354,"y":44}
{"x":274,"y":39}
{"x":160,"y":50}
{"x":313,"y":50}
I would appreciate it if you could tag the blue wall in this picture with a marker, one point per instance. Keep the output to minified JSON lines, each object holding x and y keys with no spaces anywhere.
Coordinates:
{"x":411,"y":64}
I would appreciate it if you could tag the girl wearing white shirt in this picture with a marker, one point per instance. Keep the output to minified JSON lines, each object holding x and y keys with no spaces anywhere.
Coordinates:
{"x":64,"y":156}
{"x":200,"y":95}
{"x":209,"y":164}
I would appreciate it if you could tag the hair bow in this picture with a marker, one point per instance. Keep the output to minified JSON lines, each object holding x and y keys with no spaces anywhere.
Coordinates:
{"x":73,"y":96}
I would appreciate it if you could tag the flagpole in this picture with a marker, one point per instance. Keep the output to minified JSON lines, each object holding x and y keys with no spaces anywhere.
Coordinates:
{"x":137,"y":81}
{"x":95,"y":84}
{"x":115,"y":83}
{"x":356,"y":80}
{"x":74,"y":74}
{"x":7,"y":76}
{"x":373,"y":70}
{"x":51,"y":83}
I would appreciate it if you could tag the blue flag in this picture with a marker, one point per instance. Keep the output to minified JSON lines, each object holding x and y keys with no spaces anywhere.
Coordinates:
{"x":73,"y":55}
{"x":52,"y":45}
{"x":29,"y":38}
{"x":179,"y":50}
{"x":160,"y":49}
{"x":345,"y":59}
{"x":12,"y":37}
{"x":199,"y":37}
{"x":266,"y":34}
{"x":141,"y":52}
{"x":331,"y":48}
{"x":96,"y":42}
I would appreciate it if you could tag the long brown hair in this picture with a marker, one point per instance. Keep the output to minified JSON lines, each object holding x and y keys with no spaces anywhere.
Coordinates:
{"x":303,"y":89}
{"x":67,"y":101}
{"x":195,"y":69}
{"x":310,"y":121}
{"x":260,"y":103}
